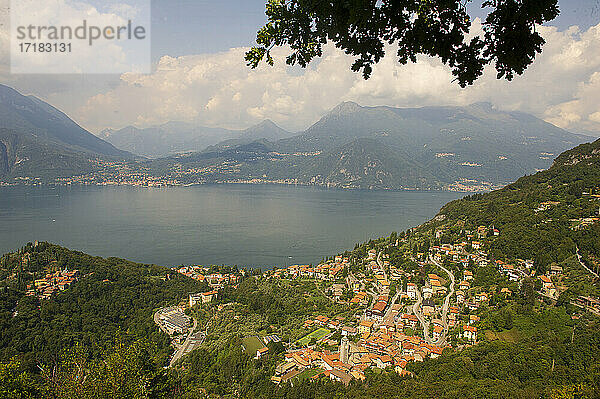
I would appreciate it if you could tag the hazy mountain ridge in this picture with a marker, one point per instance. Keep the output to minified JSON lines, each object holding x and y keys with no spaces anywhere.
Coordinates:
{"x":39,"y":142}
{"x":398,"y":148}
{"x":473,"y":147}
{"x":179,"y":137}
{"x":25,"y":157}
{"x":31,"y":116}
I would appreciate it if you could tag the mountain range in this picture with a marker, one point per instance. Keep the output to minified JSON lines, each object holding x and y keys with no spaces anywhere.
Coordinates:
{"x":472,"y":147}
{"x":180,"y":137}
{"x":398,"y":148}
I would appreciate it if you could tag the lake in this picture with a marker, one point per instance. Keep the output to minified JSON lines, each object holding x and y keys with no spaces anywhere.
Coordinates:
{"x":245,"y":225}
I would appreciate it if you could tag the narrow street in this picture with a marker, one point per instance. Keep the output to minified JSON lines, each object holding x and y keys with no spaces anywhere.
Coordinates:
{"x":417,"y":311}
{"x":388,"y":312}
{"x":424,"y":323}
{"x":380,"y":263}
{"x":442,"y":339}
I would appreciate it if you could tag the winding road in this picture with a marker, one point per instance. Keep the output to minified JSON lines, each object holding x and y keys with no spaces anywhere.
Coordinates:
{"x":441,"y":341}
{"x":424,"y":323}
{"x":583,"y":264}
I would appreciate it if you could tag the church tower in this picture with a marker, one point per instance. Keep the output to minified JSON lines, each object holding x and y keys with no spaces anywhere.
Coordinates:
{"x":344,"y":350}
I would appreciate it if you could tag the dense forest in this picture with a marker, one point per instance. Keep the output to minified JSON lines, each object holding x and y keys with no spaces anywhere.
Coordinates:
{"x":112,"y":297}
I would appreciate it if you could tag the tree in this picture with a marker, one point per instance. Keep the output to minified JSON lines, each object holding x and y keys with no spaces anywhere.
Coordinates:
{"x":440,"y":29}
{"x":15,"y":382}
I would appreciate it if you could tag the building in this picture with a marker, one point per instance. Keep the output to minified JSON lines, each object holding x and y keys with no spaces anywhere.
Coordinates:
{"x":349,"y":331}
{"x":411,"y":290}
{"x":470,"y":333}
{"x":555,"y":269}
{"x":344,"y":350}
{"x":202,"y":297}
{"x":261,"y":352}
{"x":195,"y":299}
{"x":437,"y":332}
{"x":428,"y":308}
{"x":365,"y":327}
{"x":174,"y":321}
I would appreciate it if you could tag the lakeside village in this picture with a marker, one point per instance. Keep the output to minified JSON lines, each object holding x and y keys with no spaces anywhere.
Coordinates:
{"x":115,"y":173}
{"x":397,"y":316}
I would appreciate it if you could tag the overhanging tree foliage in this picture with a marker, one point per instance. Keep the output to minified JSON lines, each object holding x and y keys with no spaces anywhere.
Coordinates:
{"x":362,"y":28}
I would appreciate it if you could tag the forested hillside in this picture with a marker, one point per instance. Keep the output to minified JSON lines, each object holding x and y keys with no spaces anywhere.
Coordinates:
{"x":544,"y":217}
{"x":112,"y":297}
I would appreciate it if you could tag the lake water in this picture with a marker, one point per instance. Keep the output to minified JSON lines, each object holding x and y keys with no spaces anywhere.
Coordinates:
{"x":217,"y":224}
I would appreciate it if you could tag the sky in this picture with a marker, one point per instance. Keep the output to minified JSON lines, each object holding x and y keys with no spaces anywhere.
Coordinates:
{"x":199,"y":75}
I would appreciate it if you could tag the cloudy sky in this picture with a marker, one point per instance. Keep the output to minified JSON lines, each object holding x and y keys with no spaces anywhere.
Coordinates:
{"x":199,"y":75}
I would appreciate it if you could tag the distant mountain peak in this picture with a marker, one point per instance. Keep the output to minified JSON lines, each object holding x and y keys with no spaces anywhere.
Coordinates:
{"x":345,"y":108}
{"x":267,"y":129}
{"x":485,"y":106}
{"x":266,"y":123}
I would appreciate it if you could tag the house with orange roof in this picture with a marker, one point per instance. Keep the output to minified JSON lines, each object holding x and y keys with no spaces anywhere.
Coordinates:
{"x":384,"y":361}
{"x":410,"y":320}
{"x":261,"y":352}
{"x":470,"y":333}
{"x":437,"y":332}
{"x":546,"y":282}
{"x":365,"y":326}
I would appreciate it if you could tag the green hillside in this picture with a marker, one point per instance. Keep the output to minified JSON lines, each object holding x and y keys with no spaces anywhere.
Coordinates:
{"x":112,"y":297}
{"x":23,"y":156}
{"x":474,"y":148}
{"x":543,"y":217}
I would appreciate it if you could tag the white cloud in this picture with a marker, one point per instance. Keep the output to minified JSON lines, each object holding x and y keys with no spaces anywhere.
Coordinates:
{"x":562,"y":87}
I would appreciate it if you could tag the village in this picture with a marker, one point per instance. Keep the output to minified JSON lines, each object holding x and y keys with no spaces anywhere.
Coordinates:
{"x":398,"y":311}
{"x":399,"y":317}
{"x":52,"y":283}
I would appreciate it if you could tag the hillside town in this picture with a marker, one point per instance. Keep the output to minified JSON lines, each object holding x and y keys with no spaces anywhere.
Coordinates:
{"x":52,"y":283}
{"x":397,"y":315}
{"x":401,"y":318}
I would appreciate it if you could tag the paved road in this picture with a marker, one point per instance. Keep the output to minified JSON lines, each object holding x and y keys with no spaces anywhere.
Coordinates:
{"x":158,"y":323}
{"x":424,"y":323}
{"x":442,"y":340}
{"x":417,"y":311}
{"x":583,"y":264}
{"x":186,"y":347}
{"x":388,"y":312}
{"x":380,"y":263}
